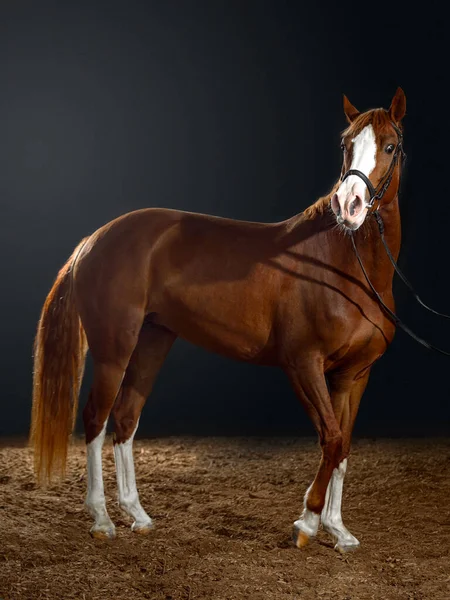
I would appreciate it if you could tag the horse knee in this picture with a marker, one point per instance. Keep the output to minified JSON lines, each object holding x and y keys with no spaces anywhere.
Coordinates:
{"x":331,"y":452}
{"x":332,"y":448}
{"x":345,"y":452}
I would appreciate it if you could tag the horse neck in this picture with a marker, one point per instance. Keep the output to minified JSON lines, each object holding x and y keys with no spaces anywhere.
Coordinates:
{"x":307,"y":229}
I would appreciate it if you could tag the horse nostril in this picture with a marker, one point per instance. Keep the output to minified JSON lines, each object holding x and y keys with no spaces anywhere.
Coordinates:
{"x":355,"y":206}
{"x":335,"y":205}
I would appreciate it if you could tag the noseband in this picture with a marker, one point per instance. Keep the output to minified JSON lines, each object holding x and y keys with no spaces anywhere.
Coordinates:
{"x":378,"y":192}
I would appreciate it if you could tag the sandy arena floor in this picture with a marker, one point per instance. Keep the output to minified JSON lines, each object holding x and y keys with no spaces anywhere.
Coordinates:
{"x":223,"y":509}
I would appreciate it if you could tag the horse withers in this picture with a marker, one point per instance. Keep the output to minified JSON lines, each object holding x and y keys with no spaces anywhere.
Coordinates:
{"x":289,"y":294}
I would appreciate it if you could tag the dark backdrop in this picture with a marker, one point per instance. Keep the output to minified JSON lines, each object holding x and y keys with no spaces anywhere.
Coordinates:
{"x":231,"y":108}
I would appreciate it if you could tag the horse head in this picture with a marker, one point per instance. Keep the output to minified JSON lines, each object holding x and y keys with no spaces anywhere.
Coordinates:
{"x":372,"y":146}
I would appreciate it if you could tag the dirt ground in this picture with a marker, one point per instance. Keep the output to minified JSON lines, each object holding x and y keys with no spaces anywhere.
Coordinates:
{"x":223,"y":510}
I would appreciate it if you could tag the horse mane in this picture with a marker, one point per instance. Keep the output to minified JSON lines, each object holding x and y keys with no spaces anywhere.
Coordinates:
{"x":320,"y":206}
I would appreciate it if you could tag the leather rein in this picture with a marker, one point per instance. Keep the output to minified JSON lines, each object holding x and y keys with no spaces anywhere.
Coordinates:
{"x":377,"y":194}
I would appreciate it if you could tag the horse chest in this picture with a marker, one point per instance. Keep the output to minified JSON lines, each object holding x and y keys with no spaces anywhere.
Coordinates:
{"x":359,"y":341}
{"x":344,"y":330}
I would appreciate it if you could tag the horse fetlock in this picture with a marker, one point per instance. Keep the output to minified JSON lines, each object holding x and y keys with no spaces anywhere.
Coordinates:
{"x":132,"y":507}
{"x":308,"y":523}
{"x":96,"y":507}
{"x":345,"y":541}
{"x":305,"y":528}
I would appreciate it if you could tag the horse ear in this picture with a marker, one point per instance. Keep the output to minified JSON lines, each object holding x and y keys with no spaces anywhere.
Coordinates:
{"x":350,"y":111}
{"x":397,"y":109}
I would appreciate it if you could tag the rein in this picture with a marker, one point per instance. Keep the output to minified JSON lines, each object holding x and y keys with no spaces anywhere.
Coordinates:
{"x":402,"y":276}
{"x":377,"y":194}
{"x":391,"y":313}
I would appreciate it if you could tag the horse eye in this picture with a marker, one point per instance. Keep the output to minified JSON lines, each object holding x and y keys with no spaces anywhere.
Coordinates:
{"x":390,"y":149}
{"x":343,"y":148}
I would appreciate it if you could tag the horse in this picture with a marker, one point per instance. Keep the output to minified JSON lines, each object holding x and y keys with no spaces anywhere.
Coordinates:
{"x":289,"y":294}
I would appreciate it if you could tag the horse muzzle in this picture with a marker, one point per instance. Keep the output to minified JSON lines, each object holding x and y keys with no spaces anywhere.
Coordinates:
{"x":349,"y":207}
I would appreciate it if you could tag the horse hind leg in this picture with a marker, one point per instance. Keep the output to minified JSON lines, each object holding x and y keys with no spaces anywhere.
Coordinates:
{"x":153,"y":345}
{"x":111,"y":351}
{"x":107,"y":379}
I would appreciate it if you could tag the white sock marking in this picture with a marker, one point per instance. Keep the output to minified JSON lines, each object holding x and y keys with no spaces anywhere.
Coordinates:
{"x":309,"y":521}
{"x":331,"y":513}
{"x":126,"y":483}
{"x":95,"y":497}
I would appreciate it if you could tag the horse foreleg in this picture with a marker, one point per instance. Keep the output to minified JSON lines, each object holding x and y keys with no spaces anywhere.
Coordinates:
{"x":310,"y":386}
{"x":346,"y":395}
{"x":153,"y":345}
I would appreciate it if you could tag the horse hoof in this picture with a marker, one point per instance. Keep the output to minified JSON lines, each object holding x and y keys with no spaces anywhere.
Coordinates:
{"x":103,"y":533}
{"x":345,"y":548}
{"x":142,"y":529}
{"x":300,"y":538}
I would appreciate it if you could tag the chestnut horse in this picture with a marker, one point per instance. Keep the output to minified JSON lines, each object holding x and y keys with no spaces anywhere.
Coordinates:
{"x":289,"y":294}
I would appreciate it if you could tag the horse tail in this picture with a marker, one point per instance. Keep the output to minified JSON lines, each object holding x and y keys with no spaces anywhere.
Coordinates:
{"x":59,"y":355}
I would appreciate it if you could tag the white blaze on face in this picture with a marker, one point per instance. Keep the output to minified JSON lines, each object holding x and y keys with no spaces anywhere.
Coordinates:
{"x":364,"y":155}
{"x":364,"y":160}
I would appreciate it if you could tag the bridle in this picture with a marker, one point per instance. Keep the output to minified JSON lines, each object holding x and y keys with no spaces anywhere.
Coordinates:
{"x":382,"y":187}
{"x":377,"y":194}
